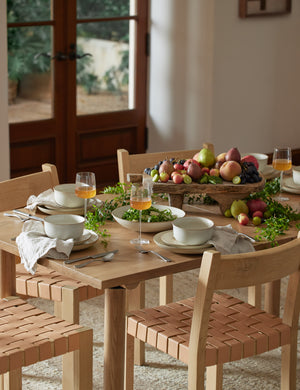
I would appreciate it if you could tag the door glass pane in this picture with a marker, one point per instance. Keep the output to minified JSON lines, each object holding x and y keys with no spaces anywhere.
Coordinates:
{"x":30,"y":86}
{"x":28,"y":10}
{"x":105,"y":78}
{"x":104,"y":8}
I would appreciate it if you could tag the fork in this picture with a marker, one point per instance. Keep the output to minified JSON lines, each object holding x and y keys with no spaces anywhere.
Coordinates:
{"x":104,"y":258}
{"x":164,"y":258}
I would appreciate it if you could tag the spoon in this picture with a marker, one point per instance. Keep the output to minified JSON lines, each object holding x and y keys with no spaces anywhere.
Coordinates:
{"x":154,"y":253}
{"x":23,"y":219}
{"x":105,"y":258}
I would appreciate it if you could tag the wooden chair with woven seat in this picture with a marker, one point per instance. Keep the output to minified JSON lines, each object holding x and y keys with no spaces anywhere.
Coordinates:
{"x":214,"y":328}
{"x":30,"y":335}
{"x":136,"y":163}
{"x":47,"y":284}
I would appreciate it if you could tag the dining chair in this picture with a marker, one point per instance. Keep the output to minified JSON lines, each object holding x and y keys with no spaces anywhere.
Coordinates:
{"x":136,"y":163}
{"x":65,"y":292}
{"x":30,"y":335}
{"x":213,"y":328}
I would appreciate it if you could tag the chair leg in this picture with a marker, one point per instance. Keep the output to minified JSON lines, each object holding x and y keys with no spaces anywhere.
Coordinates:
{"x":129,"y":363}
{"x":289,"y":365}
{"x":11,"y":380}
{"x":214,"y":377}
{"x":68,"y":308}
{"x":80,"y":369}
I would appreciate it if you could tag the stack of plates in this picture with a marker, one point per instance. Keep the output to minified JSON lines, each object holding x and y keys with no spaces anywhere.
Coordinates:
{"x":87,"y":239}
{"x":61,"y":210}
{"x":289,"y":185}
{"x":270,"y":173}
{"x":166,"y":240}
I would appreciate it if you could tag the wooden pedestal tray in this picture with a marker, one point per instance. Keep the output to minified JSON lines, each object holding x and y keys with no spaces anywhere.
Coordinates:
{"x":224,"y":193}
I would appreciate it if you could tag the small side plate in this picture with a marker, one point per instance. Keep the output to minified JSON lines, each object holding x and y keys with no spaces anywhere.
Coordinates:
{"x":87,"y":243}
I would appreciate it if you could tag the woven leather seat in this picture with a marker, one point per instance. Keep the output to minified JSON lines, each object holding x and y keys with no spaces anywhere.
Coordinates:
{"x":29,"y":335}
{"x":46,"y":284}
{"x":214,"y":328}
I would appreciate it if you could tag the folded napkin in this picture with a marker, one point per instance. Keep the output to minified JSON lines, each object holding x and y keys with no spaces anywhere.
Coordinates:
{"x":33,"y":244}
{"x":226,"y":240}
{"x":46,"y":198}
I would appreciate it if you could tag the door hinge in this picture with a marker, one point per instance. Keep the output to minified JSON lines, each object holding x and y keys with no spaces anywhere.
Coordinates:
{"x":147,"y":44}
{"x":146,"y":138}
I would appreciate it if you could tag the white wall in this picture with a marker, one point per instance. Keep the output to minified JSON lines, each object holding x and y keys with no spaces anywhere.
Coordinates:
{"x":234,"y":82}
{"x":4,"y":137}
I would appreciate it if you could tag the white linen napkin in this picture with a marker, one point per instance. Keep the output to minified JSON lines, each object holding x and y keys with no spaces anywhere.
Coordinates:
{"x":46,"y":198}
{"x":33,"y":244}
{"x":227,"y":240}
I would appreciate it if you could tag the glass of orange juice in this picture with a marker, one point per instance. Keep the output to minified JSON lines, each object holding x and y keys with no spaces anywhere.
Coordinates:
{"x":282,"y":161}
{"x":140,"y":199}
{"x":85,"y":187}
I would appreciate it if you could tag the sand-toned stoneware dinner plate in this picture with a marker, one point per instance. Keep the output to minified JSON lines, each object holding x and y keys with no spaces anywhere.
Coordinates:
{"x":184,"y":249}
{"x":92,"y":239}
{"x":61,"y":210}
{"x":289,"y":182}
{"x":270,"y":173}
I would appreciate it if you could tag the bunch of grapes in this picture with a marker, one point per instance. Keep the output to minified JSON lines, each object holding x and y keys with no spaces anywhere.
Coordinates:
{"x":249,"y":173}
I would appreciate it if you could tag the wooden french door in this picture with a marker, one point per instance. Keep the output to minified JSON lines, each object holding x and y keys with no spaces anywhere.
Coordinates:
{"x":81,"y":93}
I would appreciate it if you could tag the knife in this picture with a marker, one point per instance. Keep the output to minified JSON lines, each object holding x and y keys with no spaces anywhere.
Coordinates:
{"x":90,"y":256}
{"x":28,"y":215}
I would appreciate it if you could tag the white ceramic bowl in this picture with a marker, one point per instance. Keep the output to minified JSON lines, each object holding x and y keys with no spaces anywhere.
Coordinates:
{"x":147,"y":226}
{"x":64,"y":195}
{"x":296,"y":175}
{"x":64,"y":226}
{"x":261,"y":158}
{"x":193,"y":230}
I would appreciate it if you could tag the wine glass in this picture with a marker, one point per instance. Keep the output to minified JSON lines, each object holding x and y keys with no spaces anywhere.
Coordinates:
{"x":85,"y":187}
{"x":140,"y":199}
{"x":282,"y":161}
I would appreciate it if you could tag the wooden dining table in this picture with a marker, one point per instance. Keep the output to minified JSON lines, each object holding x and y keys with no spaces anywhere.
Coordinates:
{"x":127,"y":269}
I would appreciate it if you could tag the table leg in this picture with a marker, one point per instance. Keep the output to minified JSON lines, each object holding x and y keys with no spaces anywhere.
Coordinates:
{"x":114,"y":338}
{"x":272,"y":297}
{"x":7,"y":274}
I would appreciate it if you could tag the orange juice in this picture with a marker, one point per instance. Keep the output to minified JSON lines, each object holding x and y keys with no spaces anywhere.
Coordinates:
{"x":140,"y":204}
{"x":282,"y":164}
{"x":85,"y":192}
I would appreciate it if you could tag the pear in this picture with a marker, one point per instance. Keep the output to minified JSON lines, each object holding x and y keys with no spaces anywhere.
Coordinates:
{"x":233,"y":155}
{"x":238,"y":207}
{"x":206,"y":158}
{"x":167,"y":167}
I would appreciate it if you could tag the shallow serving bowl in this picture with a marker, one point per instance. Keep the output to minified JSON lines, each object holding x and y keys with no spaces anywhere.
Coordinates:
{"x":64,"y":195}
{"x":147,"y":227}
{"x":64,"y":226}
{"x":193,"y":230}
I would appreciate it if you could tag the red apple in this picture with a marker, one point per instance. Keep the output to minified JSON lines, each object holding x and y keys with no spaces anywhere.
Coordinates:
{"x":250,"y":159}
{"x":243,"y":219}
{"x":229,"y":169}
{"x":205,"y":170}
{"x":214,"y":172}
{"x":258,"y":213}
{"x":177,"y":179}
{"x":178,"y":166}
{"x":186,"y":163}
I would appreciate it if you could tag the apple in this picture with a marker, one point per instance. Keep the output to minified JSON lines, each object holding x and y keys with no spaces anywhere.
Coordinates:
{"x":258,"y":213}
{"x":188,"y":161}
{"x":214,"y":172}
{"x":229,"y":169}
{"x":243,"y":219}
{"x":178,"y":166}
{"x":177,"y":179}
{"x":205,"y":170}
{"x":164,"y":177}
{"x":250,"y":159}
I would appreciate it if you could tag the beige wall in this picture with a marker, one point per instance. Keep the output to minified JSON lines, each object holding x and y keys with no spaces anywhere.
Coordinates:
{"x":234,"y":82}
{"x":4,"y":139}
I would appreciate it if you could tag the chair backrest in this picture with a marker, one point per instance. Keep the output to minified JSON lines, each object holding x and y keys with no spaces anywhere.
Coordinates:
{"x":219,"y":272}
{"x":24,"y":186}
{"x":136,"y":163}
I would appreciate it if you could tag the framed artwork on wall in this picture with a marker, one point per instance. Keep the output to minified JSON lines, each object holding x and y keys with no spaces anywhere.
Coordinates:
{"x":251,"y":8}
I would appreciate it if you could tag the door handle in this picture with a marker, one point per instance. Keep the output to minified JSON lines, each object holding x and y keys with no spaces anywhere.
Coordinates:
{"x":73,"y":55}
{"x":58,"y":56}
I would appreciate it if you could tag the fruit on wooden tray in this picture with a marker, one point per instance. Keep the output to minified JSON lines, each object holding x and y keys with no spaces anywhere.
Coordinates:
{"x":233,"y":154}
{"x":250,"y":159}
{"x":206,"y":157}
{"x":229,"y":169}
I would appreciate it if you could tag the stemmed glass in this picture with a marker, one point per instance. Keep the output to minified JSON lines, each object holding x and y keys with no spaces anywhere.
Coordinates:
{"x":282,"y":161}
{"x":85,"y":187}
{"x":140,"y":199}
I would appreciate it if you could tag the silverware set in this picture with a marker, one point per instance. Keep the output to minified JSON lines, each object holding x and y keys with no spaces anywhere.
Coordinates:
{"x":104,"y":256}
